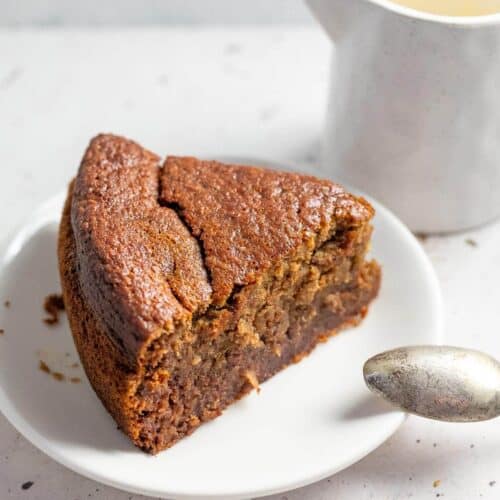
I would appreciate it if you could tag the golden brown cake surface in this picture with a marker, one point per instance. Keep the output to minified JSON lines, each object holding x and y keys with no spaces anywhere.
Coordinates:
{"x":189,"y":282}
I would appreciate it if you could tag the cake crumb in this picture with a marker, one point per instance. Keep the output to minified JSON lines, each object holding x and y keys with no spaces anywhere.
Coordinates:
{"x":492,"y":483}
{"x":43,"y":367}
{"x":160,"y":376}
{"x":436,"y":483}
{"x":59,"y":376}
{"x":298,"y":357}
{"x":252,"y":380}
{"x":2,"y":331}
{"x":7,"y":304}
{"x":418,"y":441}
{"x":323,"y":338}
{"x":53,"y":304}
{"x":75,"y":380}
{"x":75,"y":365}
{"x":422,"y":237}
{"x":194,"y":421}
{"x":248,"y":333}
{"x":471,"y":242}
{"x":27,"y":485}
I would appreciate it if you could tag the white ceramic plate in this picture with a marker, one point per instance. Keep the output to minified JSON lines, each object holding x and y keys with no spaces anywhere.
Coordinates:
{"x":308,"y":422}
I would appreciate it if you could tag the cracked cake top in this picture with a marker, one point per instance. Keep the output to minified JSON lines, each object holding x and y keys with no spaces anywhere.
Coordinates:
{"x":156,"y":244}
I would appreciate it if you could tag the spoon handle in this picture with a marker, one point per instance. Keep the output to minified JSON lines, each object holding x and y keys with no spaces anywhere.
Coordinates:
{"x":440,"y":382}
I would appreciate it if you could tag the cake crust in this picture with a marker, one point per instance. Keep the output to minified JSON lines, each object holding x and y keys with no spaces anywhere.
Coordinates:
{"x":187,"y":284}
{"x":246,"y":218}
{"x":143,"y":267}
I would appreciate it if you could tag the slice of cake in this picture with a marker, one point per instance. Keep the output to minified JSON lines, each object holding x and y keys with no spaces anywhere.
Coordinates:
{"x":189,"y":283}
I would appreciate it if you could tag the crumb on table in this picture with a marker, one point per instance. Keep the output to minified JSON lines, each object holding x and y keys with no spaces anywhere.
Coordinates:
{"x":7,"y":303}
{"x":436,"y":483}
{"x":2,"y":331}
{"x":75,"y":380}
{"x":27,"y":485}
{"x":43,"y":367}
{"x":52,"y":305}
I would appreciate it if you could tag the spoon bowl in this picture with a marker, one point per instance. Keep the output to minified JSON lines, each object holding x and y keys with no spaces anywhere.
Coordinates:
{"x":440,"y":382}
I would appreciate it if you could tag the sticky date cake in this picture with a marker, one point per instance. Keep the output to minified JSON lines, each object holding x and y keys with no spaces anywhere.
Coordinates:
{"x":190,"y":282}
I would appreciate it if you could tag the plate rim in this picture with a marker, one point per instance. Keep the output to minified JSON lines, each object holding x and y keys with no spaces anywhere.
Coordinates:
{"x":29,"y":224}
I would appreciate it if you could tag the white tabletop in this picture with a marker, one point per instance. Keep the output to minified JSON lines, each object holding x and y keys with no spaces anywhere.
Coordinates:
{"x":253,"y":92}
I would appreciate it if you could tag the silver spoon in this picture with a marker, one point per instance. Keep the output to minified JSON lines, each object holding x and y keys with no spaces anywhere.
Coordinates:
{"x":440,"y":382}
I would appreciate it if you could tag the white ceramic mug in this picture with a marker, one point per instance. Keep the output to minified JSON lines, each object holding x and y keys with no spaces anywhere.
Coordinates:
{"x":414,"y":111}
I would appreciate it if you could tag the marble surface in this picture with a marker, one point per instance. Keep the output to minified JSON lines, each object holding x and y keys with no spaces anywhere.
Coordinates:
{"x":152,"y":12}
{"x":256,"y":92}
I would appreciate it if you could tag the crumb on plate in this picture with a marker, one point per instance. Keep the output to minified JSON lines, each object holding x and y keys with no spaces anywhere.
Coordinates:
{"x":52,"y":305}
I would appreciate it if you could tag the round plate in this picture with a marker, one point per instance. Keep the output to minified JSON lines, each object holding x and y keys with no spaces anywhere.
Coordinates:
{"x":308,"y":422}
